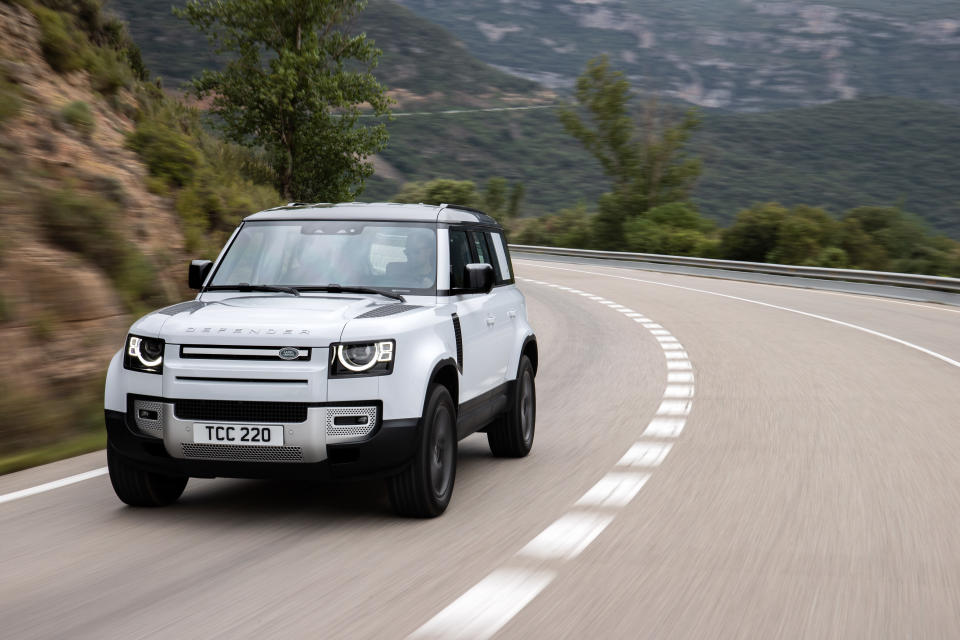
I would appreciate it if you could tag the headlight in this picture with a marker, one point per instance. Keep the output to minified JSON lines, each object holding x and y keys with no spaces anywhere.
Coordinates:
{"x":143,"y":354}
{"x":362,"y":358}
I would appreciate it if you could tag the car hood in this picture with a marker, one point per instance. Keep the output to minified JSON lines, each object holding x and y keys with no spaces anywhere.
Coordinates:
{"x":266,"y":320}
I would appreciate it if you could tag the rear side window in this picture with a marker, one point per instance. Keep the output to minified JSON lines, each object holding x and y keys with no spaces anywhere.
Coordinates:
{"x":502,"y":264}
{"x":503,"y":261}
{"x":459,"y":257}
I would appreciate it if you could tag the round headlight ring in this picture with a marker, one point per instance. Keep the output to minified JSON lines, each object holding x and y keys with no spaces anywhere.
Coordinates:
{"x":348,"y":361}
{"x":138,"y":347}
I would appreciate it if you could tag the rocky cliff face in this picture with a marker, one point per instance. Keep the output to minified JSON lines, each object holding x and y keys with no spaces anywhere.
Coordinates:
{"x":63,"y":309}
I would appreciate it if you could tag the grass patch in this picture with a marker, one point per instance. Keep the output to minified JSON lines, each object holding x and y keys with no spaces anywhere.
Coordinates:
{"x":78,"y":115}
{"x":85,"y":224}
{"x":72,"y":446}
{"x":64,"y":46}
{"x":167,"y":152}
{"x":10,"y":102}
{"x":7,"y":309}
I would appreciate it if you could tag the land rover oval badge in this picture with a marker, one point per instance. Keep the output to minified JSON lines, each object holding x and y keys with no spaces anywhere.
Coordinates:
{"x":289,"y":353}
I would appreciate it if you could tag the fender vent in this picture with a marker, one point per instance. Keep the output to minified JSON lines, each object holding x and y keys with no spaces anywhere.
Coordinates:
{"x":459,"y":337}
{"x":388,"y":310}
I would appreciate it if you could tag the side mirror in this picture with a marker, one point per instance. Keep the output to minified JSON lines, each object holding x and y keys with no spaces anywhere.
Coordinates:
{"x":199,"y":270}
{"x":479,"y":277}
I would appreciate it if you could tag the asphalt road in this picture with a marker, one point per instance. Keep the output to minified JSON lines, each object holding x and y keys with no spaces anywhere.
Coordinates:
{"x":813,"y":492}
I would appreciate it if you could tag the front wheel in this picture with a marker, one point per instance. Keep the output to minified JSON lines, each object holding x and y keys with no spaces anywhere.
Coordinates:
{"x":511,"y":435}
{"x":423,"y":489}
{"x":140,"y":488}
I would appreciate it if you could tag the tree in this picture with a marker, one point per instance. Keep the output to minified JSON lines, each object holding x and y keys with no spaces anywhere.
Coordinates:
{"x":495,"y":197}
{"x":754,"y":233}
{"x":646,"y":165}
{"x":440,"y":191}
{"x":293,"y":86}
{"x":516,"y":199}
{"x":675,"y":229}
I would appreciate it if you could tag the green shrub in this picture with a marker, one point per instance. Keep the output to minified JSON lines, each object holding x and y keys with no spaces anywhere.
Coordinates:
{"x":9,"y":99}
{"x":82,"y":224}
{"x":42,"y":326}
{"x":167,"y":152}
{"x":7,"y":310}
{"x":78,"y":115}
{"x":64,"y":46}
{"x":109,"y":72}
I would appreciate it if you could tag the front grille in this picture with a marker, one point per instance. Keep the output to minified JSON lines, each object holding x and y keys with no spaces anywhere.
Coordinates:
{"x":221,"y":352}
{"x":239,"y":453}
{"x":341,"y":432}
{"x":240,"y":411}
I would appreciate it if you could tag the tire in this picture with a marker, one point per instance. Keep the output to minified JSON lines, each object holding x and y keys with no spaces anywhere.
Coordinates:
{"x":424,"y":488}
{"x":511,"y":434}
{"x":140,"y":488}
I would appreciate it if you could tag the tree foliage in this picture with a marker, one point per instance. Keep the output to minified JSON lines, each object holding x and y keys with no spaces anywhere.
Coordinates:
{"x":494,"y":200}
{"x":645,"y":163}
{"x":294,"y":86}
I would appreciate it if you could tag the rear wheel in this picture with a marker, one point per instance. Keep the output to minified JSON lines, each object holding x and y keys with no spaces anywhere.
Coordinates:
{"x":423,"y":489}
{"x":140,"y":488}
{"x":511,"y":434}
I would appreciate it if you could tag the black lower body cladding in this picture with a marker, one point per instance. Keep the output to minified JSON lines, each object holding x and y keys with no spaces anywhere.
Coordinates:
{"x":389,"y":450}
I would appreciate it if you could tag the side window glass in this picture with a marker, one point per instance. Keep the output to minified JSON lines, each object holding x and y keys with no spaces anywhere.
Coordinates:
{"x":459,"y":257}
{"x":479,"y":243}
{"x":501,"y":265}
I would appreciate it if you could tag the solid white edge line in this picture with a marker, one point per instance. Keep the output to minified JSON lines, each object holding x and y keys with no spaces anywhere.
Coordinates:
{"x":487,"y":606}
{"x":50,"y":486}
{"x":849,"y":325}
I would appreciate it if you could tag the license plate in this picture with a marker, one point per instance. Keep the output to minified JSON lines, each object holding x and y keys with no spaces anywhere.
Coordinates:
{"x":238,"y":434}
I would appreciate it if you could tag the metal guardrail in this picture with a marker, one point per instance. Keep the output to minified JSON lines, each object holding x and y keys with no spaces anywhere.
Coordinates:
{"x":915,"y":281}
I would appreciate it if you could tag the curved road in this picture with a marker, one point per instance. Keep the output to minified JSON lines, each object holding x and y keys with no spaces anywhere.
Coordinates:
{"x":812,"y":491}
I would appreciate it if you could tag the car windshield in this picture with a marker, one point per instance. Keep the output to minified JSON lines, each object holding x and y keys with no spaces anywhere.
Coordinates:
{"x":401,"y":258}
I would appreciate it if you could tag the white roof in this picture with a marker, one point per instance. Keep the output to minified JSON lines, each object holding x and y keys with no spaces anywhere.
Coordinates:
{"x":389,"y":211}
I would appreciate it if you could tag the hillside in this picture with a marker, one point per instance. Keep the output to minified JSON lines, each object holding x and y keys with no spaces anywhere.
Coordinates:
{"x":107,"y":188}
{"x":864,"y":151}
{"x":422,"y":63}
{"x":746,"y":55}
{"x":881,"y":151}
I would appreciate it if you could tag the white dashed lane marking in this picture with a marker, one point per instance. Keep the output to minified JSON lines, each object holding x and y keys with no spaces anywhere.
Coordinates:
{"x":645,"y":454}
{"x":568,"y":536}
{"x":616,"y":489}
{"x":485,"y":608}
{"x":480,"y":612}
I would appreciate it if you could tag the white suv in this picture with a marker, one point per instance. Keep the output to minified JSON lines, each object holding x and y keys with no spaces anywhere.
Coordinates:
{"x":329,"y":341}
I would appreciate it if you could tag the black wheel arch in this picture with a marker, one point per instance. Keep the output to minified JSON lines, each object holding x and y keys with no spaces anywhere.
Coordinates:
{"x":446,"y":374}
{"x":531,"y":350}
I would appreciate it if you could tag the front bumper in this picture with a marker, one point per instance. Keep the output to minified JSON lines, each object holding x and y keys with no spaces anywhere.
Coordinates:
{"x":386,"y":451}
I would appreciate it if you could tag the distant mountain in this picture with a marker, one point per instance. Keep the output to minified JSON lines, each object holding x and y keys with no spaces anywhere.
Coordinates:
{"x":746,"y":55}
{"x":421,"y":63}
{"x":882,"y":151}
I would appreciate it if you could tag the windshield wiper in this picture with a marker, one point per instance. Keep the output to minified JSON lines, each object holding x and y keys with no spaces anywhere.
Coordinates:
{"x":245,"y":286}
{"x":336,"y":288}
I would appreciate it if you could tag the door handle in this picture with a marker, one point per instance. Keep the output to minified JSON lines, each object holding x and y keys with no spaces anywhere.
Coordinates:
{"x":512,"y":314}
{"x":491,"y":319}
